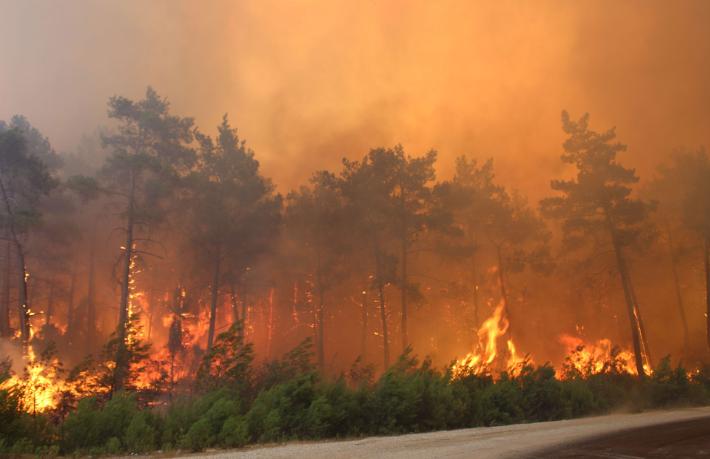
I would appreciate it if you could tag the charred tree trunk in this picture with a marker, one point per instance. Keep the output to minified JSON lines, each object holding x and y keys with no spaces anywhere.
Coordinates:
{"x":639,"y":317}
{"x":5,"y":302}
{"x":629,"y":297}
{"x":678,"y":293}
{"x":121,"y":370}
{"x":214,"y":299}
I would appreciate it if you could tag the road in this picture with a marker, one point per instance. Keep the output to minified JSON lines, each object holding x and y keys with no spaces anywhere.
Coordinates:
{"x":659,"y":434}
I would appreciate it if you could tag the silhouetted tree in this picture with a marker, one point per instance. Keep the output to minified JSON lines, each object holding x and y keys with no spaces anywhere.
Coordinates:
{"x":598,"y":202}
{"x":24,"y":180}
{"x":316,"y":221}
{"x":233,"y":210}
{"x":413,"y":203}
{"x":149,"y":151}
{"x":684,"y":186}
{"x":368,"y":186}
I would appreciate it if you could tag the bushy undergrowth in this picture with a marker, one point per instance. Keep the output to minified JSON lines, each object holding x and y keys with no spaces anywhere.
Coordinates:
{"x":288,"y":400}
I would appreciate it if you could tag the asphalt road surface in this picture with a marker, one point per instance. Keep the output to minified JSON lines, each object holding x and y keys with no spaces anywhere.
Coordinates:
{"x":681,"y":433}
{"x":684,"y":439}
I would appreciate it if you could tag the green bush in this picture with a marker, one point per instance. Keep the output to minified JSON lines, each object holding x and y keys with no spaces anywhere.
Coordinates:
{"x":198,"y":437}
{"x":292,"y":401}
{"x":502,"y":403}
{"x":140,"y":435}
{"x":92,"y":425}
{"x":235,"y":432}
{"x":542,"y":394}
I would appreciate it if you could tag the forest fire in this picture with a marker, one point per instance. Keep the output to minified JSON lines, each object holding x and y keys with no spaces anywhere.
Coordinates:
{"x":601,"y":356}
{"x":407,"y":230}
{"x":40,"y":385}
{"x":488,"y":358}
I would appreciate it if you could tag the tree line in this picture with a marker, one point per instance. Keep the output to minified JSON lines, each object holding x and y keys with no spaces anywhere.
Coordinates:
{"x":172,"y":217}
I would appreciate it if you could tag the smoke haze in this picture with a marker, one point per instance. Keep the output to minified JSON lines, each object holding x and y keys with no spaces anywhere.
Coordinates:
{"x":310,"y":82}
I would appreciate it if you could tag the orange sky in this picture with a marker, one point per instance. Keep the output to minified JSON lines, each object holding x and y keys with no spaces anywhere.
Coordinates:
{"x":308,"y":82}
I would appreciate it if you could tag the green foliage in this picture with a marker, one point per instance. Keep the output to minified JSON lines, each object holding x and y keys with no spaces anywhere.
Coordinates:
{"x":228,"y":362}
{"x":212,"y":407}
{"x":670,"y":386}
{"x":297,"y":362}
{"x":140,"y":435}
{"x":92,"y":425}
{"x":235,"y":432}
{"x":198,"y":437}
{"x":411,"y":396}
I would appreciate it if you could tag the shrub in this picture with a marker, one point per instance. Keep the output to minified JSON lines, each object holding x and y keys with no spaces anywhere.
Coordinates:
{"x":198,"y":437}
{"x":140,"y":435}
{"x":235,"y":432}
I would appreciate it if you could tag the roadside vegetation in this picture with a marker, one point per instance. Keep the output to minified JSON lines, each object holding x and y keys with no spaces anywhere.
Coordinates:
{"x":235,"y":403}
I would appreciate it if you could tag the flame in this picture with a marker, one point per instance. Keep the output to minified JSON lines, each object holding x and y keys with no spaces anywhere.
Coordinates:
{"x":487,"y":358}
{"x":41,"y":385}
{"x":589,"y":358}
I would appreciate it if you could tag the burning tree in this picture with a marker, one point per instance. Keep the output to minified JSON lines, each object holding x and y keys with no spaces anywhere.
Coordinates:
{"x":597,"y":204}
{"x":315,"y":219}
{"x":149,"y":151}
{"x":24,"y":180}
{"x":233,"y":211}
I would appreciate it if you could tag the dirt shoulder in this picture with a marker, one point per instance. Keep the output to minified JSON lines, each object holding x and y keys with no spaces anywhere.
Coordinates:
{"x":514,"y":441}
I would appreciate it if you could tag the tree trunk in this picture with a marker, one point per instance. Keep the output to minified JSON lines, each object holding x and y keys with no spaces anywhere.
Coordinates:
{"x":121,"y":370}
{"x":23,"y":305}
{"x":5,"y":303}
{"x":234,"y":302}
{"x":214,"y":298}
{"x":628,"y":296}
{"x":383,"y":308}
{"x":70,"y":304}
{"x":50,"y":304}
{"x":476,"y":299}
{"x":245,"y":311}
{"x":90,"y":298}
{"x":504,"y":291}
{"x":706,"y":259}
{"x":270,"y":324}
{"x":383,"y":317}
{"x":679,"y":294}
{"x":642,"y":329}
{"x":320,"y":324}
{"x":403,"y":288}
{"x":363,"y":332}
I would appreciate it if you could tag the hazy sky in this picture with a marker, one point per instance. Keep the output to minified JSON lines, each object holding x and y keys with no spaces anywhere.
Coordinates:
{"x":308,"y":82}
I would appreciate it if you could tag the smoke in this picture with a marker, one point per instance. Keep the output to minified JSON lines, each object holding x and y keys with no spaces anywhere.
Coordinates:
{"x":310,"y":82}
